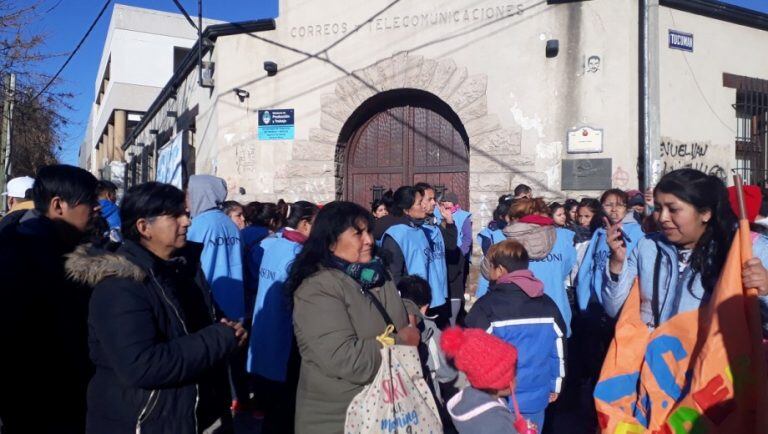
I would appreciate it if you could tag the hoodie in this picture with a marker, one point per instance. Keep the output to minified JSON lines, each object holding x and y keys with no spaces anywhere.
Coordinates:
{"x":552,"y":257}
{"x":476,"y":412}
{"x":222,"y":256}
{"x":537,"y":239}
{"x":205,"y":192}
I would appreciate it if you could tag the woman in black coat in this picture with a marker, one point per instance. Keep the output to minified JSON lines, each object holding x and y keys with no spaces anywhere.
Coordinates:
{"x":159,"y":350}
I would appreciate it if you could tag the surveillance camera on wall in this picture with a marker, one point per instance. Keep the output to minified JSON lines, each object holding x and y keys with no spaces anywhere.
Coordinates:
{"x":241,"y":93}
{"x":270,"y":67}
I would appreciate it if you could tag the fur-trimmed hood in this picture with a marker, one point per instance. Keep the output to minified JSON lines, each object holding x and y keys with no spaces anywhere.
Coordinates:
{"x":90,"y":265}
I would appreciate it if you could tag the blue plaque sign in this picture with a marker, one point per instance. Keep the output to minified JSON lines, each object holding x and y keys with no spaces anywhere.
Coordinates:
{"x":681,"y":41}
{"x":276,"y":124}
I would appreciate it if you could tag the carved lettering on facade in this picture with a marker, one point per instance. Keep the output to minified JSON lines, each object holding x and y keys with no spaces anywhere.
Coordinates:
{"x":411,"y":20}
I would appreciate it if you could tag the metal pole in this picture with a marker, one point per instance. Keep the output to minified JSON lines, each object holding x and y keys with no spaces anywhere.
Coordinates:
{"x":650,"y":135}
{"x":5,"y":171}
{"x":200,"y":42}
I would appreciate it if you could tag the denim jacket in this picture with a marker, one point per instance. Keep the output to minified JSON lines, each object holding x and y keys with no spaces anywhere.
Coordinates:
{"x":677,"y":292}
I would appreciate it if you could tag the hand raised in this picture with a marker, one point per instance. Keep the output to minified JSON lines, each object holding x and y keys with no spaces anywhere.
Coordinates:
{"x":445,"y":213}
{"x":616,"y":245}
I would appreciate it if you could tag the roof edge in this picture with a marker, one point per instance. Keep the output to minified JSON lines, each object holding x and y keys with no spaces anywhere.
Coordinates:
{"x":721,"y":11}
{"x":189,"y":62}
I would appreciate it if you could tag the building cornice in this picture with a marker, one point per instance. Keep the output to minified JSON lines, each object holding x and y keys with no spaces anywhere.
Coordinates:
{"x":211,"y":33}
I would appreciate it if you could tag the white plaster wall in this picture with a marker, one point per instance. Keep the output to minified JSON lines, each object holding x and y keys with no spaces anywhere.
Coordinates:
{"x":143,"y":58}
{"x":696,"y":110}
{"x":539,"y":98}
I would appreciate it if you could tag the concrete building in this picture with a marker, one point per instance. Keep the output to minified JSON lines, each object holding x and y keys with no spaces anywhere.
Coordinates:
{"x":474,"y":97}
{"x":142,"y":49}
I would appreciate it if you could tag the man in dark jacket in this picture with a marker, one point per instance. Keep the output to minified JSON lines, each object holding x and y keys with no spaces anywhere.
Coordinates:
{"x":44,"y":368}
{"x":160,"y":354}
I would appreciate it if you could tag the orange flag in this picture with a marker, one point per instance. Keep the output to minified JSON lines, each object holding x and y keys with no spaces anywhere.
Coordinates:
{"x":700,"y":372}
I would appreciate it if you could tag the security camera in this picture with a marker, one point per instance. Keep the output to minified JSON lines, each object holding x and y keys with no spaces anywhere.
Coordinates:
{"x":270,"y":67}
{"x":241,"y":93}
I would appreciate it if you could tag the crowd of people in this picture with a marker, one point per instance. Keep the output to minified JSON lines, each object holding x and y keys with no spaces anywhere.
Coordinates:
{"x":176,"y":310}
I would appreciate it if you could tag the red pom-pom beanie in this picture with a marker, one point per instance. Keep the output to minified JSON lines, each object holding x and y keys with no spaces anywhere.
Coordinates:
{"x":488,"y":361}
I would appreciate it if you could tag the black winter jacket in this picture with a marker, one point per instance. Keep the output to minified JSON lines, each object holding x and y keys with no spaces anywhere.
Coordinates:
{"x":160,"y":357}
{"x":43,"y":331}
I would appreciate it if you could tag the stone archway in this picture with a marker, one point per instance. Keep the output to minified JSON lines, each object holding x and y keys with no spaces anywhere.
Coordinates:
{"x":495,"y":158}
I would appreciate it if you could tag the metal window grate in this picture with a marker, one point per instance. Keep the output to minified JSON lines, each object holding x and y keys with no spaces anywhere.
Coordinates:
{"x":752,"y":133}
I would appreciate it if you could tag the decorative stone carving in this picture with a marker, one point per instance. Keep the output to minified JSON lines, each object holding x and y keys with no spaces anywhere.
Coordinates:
{"x":443,"y":71}
{"x":474,"y":110}
{"x":471,"y":89}
{"x":307,"y":150}
{"x":304,"y":169}
{"x":453,"y":84}
{"x":335,"y":107}
{"x":320,"y":135}
{"x":489,"y":182}
{"x":425,"y":75}
{"x":412,"y":70}
{"x":481,"y":164}
{"x":498,"y":142}
{"x":482,"y":125}
{"x":495,"y":161}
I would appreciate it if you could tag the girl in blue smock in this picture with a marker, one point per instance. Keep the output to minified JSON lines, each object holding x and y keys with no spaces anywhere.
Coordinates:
{"x":490,"y":235}
{"x":272,"y":342}
{"x":589,"y":283}
{"x":261,"y":220}
{"x":679,"y":266}
{"x":593,"y":329}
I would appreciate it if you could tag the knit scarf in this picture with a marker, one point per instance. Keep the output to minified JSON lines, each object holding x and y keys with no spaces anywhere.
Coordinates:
{"x":294,"y":235}
{"x":582,"y":234}
{"x":526,"y":281}
{"x":368,"y":275}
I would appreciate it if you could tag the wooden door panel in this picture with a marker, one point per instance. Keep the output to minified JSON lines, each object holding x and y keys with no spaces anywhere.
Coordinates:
{"x":405,"y":145}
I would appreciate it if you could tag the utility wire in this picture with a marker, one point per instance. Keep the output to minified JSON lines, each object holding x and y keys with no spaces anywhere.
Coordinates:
{"x":186,"y":15}
{"x":72,"y":54}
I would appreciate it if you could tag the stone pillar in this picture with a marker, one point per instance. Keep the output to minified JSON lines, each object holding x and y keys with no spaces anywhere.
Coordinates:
{"x":103,"y":150}
{"x":110,"y":148}
{"x":121,"y":118}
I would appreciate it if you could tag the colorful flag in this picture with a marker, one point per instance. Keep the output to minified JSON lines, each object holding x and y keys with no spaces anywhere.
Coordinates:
{"x":700,"y":372}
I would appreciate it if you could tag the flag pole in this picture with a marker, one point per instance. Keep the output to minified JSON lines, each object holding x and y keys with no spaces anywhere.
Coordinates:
{"x":752,"y":308}
{"x":744,"y":232}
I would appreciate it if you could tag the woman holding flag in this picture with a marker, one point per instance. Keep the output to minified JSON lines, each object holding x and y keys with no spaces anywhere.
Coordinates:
{"x":678,"y":267}
{"x":687,"y":352}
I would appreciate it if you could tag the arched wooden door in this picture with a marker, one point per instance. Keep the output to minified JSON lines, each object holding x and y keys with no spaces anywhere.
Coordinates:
{"x":402,"y":146}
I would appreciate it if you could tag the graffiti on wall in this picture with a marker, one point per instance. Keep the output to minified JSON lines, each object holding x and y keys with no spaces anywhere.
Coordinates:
{"x":699,"y":156}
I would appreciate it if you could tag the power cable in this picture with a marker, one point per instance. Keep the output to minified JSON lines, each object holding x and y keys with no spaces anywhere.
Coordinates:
{"x":77,"y":48}
{"x":186,"y":14}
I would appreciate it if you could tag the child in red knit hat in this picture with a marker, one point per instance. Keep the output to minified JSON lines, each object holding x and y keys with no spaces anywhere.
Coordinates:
{"x":489,"y":364}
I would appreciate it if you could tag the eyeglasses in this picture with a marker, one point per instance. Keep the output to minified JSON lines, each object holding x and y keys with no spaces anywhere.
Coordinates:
{"x":614,"y":205}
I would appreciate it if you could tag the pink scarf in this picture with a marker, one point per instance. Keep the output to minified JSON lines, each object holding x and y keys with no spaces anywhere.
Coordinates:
{"x":294,"y":235}
{"x":526,"y":281}
{"x":537,"y":220}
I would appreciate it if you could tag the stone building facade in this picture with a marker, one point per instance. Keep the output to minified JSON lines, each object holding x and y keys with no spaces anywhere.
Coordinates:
{"x":470,"y":96}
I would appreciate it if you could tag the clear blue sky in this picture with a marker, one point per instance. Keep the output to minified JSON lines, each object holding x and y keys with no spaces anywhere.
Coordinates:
{"x":68,"y":20}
